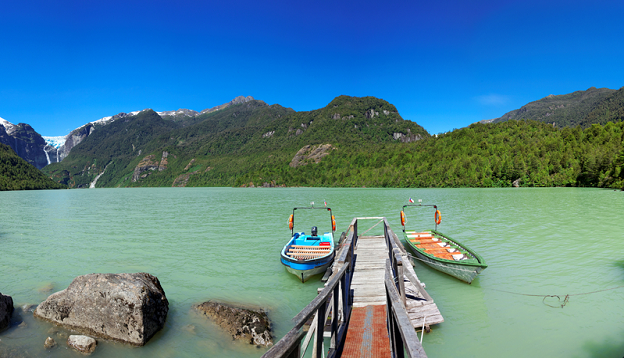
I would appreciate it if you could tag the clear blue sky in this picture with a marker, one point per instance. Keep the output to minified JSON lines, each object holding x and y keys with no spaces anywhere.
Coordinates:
{"x":443,"y":64}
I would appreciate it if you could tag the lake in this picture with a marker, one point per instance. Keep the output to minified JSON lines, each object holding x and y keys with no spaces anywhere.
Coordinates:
{"x":223,"y":244}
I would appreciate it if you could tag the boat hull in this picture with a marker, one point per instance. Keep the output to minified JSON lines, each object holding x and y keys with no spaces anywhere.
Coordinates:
{"x":464,"y":271}
{"x":308,"y":261}
{"x":305,"y":270}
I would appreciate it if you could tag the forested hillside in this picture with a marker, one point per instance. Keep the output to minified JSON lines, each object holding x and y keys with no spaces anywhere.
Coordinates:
{"x":482,"y":155}
{"x":351,"y":142}
{"x":219,"y":147}
{"x":17,"y":174}
{"x":584,"y":108}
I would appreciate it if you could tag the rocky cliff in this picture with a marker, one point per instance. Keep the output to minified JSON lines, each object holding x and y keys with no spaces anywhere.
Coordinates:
{"x":24,"y":141}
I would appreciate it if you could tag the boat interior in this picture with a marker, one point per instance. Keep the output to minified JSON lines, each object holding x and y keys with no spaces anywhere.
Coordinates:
{"x":437,"y":246}
{"x":306,"y":247}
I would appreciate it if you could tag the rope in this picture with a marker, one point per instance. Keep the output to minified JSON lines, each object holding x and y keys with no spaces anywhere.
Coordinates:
{"x":561,"y":303}
{"x":370,"y":228}
{"x":566,"y":299}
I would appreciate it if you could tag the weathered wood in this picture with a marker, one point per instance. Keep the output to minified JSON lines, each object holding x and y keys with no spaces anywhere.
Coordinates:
{"x":360,"y":270}
{"x":404,"y":325}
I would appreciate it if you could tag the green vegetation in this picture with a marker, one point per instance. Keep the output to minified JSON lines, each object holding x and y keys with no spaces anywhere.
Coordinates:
{"x":584,"y":108}
{"x":482,"y":155}
{"x":371,"y":145}
{"x":17,"y":174}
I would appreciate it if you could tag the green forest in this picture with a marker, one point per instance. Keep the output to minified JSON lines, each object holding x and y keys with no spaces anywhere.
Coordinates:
{"x":17,"y":174}
{"x":482,"y":155}
{"x":369,"y":145}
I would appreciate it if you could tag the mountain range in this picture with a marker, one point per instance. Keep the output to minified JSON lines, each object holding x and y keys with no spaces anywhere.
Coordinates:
{"x":352,"y":141}
{"x":582,"y":108}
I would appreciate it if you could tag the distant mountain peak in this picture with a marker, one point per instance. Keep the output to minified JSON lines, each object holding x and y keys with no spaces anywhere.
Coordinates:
{"x":7,"y":125}
{"x":241,"y":100}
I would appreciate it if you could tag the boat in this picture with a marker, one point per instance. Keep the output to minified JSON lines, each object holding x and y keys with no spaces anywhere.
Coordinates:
{"x":306,"y":255}
{"x":440,"y":251}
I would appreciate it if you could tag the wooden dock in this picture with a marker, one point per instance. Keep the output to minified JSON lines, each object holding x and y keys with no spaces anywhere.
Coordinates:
{"x":368,"y":286}
{"x":371,"y":306}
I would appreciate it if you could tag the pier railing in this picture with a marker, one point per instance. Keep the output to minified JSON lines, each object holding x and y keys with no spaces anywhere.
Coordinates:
{"x":335,"y":302}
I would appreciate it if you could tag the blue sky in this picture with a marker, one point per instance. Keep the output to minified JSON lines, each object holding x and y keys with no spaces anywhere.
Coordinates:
{"x":443,"y":64}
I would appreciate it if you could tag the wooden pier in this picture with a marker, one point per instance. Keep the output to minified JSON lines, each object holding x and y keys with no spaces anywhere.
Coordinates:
{"x":373,"y":302}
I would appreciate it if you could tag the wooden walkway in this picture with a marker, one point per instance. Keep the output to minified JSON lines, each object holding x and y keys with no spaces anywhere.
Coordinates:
{"x":368,"y":283}
{"x":369,"y":290}
{"x":371,"y":306}
{"x":370,"y":266}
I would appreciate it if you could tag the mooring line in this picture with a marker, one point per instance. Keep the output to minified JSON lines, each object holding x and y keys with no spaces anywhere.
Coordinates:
{"x":566,"y":299}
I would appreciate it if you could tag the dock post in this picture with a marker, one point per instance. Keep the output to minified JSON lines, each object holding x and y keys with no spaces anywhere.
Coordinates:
{"x":320,"y":329}
{"x":399,"y":274}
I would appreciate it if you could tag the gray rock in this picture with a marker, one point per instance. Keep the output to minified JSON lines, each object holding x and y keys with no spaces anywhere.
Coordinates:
{"x":6,"y":310}
{"x":49,"y":343}
{"x":242,"y":323}
{"x":126,"y":307}
{"x":83,"y":344}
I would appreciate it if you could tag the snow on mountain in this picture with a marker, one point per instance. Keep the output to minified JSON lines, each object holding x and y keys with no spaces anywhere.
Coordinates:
{"x":55,"y":142}
{"x":6,"y":124}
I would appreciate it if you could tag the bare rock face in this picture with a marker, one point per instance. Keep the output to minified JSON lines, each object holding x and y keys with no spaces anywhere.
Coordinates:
{"x":6,"y":310}
{"x":147,"y":163}
{"x":83,"y":344}
{"x":126,"y":307}
{"x":308,"y":152}
{"x":242,"y":323}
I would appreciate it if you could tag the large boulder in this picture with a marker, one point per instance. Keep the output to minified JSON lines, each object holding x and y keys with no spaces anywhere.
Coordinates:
{"x":126,"y":307}
{"x":6,"y":310}
{"x":246,"y":324}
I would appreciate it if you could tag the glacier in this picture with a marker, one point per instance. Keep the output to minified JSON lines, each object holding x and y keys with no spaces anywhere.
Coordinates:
{"x":55,"y":142}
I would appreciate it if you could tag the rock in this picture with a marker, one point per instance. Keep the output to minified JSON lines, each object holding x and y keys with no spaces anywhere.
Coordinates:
{"x":182,"y":179}
{"x":126,"y":307}
{"x":83,"y":344}
{"x":147,"y":163}
{"x":242,"y":323}
{"x":189,"y":164}
{"x":6,"y":310}
{"x":516,"y":183}
{"x":49,"y":343}
{"x":308,"y":152}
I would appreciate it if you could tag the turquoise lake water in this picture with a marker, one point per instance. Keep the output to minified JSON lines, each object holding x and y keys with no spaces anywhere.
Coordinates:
{"x":223,"y":244}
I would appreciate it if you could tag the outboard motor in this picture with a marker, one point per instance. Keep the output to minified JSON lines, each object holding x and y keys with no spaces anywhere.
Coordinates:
{"x":314,"y":231}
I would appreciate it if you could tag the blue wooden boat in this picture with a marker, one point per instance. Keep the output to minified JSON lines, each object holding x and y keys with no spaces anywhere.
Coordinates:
{"x":306,"y":255}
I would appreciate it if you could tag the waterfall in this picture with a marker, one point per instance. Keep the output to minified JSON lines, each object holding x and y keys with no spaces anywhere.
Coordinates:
{"x":92,"y":185}
{"x":47,"y":156}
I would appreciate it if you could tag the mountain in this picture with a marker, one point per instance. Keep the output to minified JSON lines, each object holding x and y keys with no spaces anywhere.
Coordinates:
{"x":220,"y":147}
{"x":18,"y":174}
{"x":584,"y":108}
{"x":41,"y":151}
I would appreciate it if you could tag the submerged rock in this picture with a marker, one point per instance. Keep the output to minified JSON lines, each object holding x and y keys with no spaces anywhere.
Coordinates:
{"x":49,"y":343}
{"x":6,"y":310}
{"x":126,"y":307}
{"x":83,"y":344}
{"x":242,"y":323}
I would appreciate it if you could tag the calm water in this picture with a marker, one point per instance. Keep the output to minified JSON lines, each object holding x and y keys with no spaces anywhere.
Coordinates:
{"x":223,"y":244}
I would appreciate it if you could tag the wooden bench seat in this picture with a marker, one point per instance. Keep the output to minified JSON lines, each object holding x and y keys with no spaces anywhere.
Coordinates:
{"x":310,"y":247}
